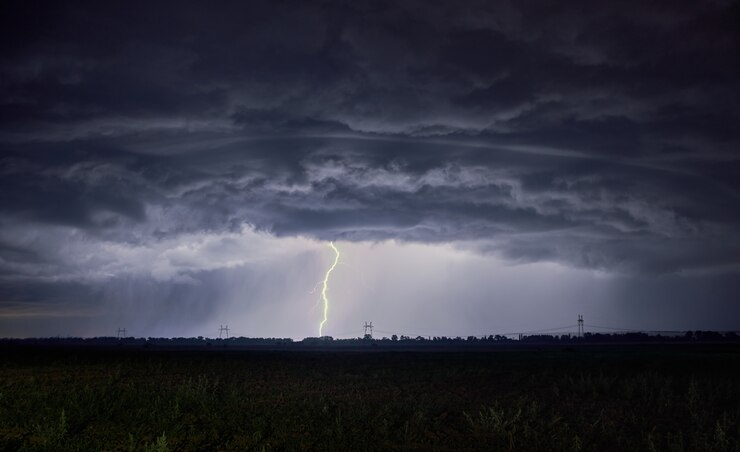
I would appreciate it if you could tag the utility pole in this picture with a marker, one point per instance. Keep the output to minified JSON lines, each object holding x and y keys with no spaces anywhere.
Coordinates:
{"x":121,"y":333}
{"x":223,"y":329}
{"x":580,"y":325}
{"x":368,"y":326}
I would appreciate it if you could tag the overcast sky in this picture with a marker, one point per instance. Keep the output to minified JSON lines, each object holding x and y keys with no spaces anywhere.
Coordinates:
{"x":483,"y":167}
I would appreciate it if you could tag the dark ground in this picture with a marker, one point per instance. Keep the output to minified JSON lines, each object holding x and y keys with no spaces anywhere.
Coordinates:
{"x":591,"y":398}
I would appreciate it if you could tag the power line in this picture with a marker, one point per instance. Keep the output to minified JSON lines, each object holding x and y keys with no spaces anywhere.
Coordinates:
{"x":547,"y":330}
{"x":386,"y":332}
{"x":612,"y":328}
{"x":578,"y":329}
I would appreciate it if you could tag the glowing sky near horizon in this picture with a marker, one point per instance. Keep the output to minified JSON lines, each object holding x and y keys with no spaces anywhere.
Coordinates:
{"x":264,"y":286}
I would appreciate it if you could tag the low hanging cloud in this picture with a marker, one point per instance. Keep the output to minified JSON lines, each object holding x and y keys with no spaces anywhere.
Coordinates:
{"x":583,"y":212}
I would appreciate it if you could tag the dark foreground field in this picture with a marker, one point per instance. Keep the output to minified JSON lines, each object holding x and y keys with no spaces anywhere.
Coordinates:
{"x":677,"y":397}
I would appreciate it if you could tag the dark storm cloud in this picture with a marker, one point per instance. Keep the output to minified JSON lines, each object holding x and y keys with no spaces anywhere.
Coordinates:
{"x":596,"y":134}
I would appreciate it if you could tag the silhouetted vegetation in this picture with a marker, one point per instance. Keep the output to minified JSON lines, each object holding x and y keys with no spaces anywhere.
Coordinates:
{"x":638,"y":397}
{"x":403,"y":342}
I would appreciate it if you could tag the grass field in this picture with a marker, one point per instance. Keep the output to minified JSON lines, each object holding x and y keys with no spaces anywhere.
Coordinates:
{"x":592,"y":399}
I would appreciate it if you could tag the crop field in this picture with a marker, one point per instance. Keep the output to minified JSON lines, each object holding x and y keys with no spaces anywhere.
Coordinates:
{"x":653,"y":397}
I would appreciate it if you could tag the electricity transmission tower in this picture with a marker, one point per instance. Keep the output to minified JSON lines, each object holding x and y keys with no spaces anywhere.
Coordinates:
{"x":121,"y":333}
{"x":368,"y":326}
{"x":580,"y":325}
{"x":223,"y":329}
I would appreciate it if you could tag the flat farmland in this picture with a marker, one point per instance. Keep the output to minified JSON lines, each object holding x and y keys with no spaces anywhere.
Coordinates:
{"x":637,"y":397}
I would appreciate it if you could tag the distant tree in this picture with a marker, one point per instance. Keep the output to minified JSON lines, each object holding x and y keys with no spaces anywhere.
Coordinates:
{"x":394,"y":338}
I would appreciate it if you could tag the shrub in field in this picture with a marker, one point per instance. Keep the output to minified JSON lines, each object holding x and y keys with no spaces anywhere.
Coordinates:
{"x":160,"y":445}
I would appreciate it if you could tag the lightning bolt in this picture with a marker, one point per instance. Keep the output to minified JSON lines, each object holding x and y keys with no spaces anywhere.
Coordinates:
{"x":326,"y":284}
